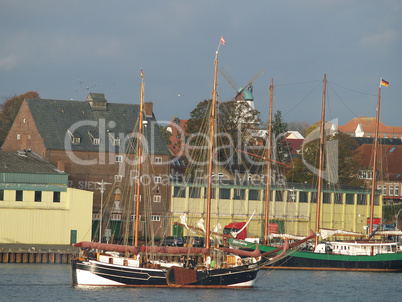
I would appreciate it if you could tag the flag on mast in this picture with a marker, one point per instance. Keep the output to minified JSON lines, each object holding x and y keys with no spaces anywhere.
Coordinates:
{"x":222,"y":42}
{"x":384,"y":83}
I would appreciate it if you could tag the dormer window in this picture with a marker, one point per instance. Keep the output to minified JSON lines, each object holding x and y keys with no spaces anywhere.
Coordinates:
{"x":115,"y":140}
{"x":75,"y":139}
{"x":94,"y":138}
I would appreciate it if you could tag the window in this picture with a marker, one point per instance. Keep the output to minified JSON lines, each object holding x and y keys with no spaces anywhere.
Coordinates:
{"x":94,"y":138}
{"x":155,"y":218}
{"x":361,"y":199}
{"x":384,"y":190}
{"x":76,"y":140}
{"x":116,"y":142}
{"x":350,"y":198}
{"x":396,"y":192}
{"x":303,"y":197}
{"x":118,"y":178}
{"x":119,"y":158}
{"x":56,"y":196}
{"x":278,"y":196}
{"x":224,"y":193}
{"x":195,"y":192}
{"x":1,"y":194}
{"x":38,"y":196}
{"x":158,"y":160}
{"x":253,"y":195}
{"x":338,"y":198}
{"x":391,"y":190}
{"x":157,"y":179}
{"x":157,"y":198}
{"x":18,"y":195}
{"x":18,"y":137}
{"x":326,"y":198}
{"x":135,"y":198}
{"x":313,"y":197}
{"x":179,"y":192}
{"x":239,"y":194}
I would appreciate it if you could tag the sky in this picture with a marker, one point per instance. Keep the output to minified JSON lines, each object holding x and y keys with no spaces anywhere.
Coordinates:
{"x":66,"y":49}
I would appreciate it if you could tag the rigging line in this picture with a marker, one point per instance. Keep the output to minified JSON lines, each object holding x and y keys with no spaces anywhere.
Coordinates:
{"x":299,"y":83}
{"x":354,"y":114}
{"x":303,"y":99}
{"x":361,"y":92}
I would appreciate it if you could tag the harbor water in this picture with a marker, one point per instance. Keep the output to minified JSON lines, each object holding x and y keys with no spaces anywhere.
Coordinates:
{"x":46,"y":282}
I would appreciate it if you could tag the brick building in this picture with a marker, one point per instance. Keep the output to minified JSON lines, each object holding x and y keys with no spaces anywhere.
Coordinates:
{"x":88,"y":139}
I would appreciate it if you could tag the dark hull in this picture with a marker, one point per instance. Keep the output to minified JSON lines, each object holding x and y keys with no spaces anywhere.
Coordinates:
{"x":236,"y":277}
{"x":95,"y":273}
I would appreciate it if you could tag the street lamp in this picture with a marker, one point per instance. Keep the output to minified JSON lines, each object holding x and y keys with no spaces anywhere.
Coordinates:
{"x":102,"y":190}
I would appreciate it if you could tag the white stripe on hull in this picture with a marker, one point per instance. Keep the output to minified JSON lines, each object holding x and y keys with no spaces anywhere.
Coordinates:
{"x":244,"y":284}
{"x":88,"y":278}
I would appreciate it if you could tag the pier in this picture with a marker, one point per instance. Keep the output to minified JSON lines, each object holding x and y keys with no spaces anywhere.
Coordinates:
{"x":23,"y":253}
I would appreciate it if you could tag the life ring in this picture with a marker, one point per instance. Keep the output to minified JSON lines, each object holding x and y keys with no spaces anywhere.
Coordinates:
{"x":239,"y":262}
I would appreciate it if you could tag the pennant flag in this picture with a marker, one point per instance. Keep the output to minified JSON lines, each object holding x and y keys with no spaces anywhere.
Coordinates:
{"x":222,"y":42}
{"x":384,"y":83}
{"x":142,"y":75}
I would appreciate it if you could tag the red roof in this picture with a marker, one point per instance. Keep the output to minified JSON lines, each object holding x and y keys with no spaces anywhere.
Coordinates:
{"x":389,"y":160}
{"x":368,"y":124}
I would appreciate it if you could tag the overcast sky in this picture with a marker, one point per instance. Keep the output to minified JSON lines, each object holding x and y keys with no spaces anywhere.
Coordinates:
{"x":65,"y":49}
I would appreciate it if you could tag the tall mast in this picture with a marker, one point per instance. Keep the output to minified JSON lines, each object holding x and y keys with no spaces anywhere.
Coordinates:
{"x":139,"y":155}
{"x":320,"y":163}
{"x":373,"y":183}
{"x":211,"y":149}
{"x":267,"y":181}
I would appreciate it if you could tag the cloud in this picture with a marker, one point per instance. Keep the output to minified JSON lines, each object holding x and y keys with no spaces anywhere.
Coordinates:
{"x":381,"y":40}
{"x":8,"y":62}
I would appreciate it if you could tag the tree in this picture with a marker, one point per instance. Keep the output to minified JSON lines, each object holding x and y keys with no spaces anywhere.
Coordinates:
{"x":166,"y":134}
{"x":233,"y":118}
{"x":347,"y":158}
{"x":196,"y":123}
{"x":280,"y":145}
{"x":10,"y":109}
{"x":301,"y":127}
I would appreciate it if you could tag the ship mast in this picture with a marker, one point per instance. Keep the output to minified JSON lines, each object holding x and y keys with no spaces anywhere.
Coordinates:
{"x":211,"y":149}
{"x":373,"y":183}
{"x":320,"y":163}
{"x":139,"y":155}
{"x":268,"y":179}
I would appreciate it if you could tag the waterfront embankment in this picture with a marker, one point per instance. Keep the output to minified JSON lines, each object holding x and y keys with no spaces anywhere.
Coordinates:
{"x":37,"y":253}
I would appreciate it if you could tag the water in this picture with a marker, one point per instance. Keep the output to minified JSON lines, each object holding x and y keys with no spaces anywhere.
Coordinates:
{"x":51,"y":282}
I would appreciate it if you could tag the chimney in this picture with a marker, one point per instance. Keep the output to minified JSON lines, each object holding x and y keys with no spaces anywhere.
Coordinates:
{"x":60,"y":166}
{"x":148,"y":109}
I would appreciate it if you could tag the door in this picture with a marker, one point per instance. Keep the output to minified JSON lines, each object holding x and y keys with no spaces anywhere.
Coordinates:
{"x":73,"y":236}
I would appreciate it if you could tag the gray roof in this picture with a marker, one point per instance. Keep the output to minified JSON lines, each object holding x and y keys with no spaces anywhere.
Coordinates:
{"x":28,"y":162}
{"x":54,"y":119}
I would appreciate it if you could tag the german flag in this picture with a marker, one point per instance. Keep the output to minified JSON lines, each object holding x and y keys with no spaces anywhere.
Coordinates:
{"x":384,"y":83}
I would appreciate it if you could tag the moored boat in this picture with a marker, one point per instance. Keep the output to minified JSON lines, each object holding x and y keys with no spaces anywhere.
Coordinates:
{"x":362,"y":255}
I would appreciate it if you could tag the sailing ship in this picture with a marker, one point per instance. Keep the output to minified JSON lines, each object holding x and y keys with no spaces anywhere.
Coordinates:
{"x":367,"y":255}
{"x":133,"y":266}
